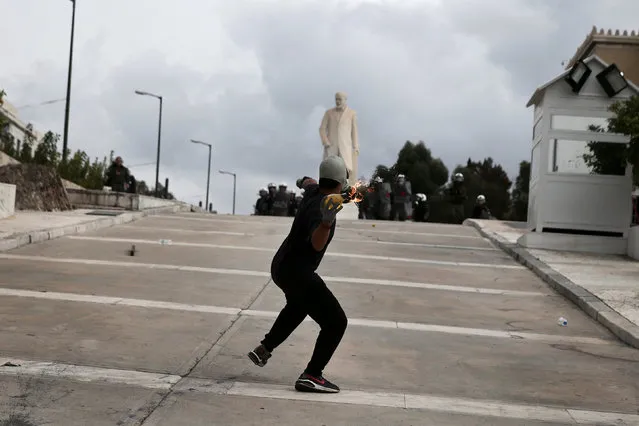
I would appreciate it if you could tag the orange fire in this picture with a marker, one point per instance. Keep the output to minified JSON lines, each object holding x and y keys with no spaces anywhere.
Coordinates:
{"x":356,"y":191}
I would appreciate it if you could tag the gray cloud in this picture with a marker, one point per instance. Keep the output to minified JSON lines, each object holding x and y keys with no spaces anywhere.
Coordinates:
{"x":254,"y":79}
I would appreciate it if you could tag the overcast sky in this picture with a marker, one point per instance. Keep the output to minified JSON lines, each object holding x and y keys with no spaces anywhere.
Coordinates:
{"x":254,"y":78}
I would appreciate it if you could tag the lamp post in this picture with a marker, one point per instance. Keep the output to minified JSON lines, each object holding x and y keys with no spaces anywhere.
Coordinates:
{"x":65,"y":140}
{"x":208,"y":173}
{"x":157,"y":162}
{"x":234,"y":182}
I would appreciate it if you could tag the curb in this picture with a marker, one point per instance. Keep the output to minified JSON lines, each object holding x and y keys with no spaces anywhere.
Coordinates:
{"x":592,"y":305}
{"x":33,"y":237}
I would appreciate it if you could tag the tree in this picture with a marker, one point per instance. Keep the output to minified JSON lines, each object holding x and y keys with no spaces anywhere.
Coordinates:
{"x":47,"y":151}
{"x":519,"y":208}
{"x":609,"y":158}
{"x":415,"y":161}
{"x":488,"y":179}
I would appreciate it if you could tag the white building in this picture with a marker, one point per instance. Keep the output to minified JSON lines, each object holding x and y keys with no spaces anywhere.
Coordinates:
{"x":18,"y":130}
{"x":572,"y":206}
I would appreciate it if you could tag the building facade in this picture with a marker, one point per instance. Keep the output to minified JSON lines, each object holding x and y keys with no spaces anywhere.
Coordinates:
{"x":17,"y":130}
{"x":618,"y":47}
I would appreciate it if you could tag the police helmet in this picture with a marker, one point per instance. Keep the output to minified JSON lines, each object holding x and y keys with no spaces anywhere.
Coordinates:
{"x":421,"y":197}
{"x":481,"y":199}
{"x":283,"y":184}
{"x":334,"y":168}
{"x":458,"y":177}
{"x":272,"y":185}
{"x":379,"y":180}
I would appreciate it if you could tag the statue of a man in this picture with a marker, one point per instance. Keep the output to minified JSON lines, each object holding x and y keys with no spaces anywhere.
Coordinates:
{"x":338,"y":133}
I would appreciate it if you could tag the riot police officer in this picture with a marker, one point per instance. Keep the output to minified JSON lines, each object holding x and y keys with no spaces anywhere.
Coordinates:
{"x":401,"y":198}
{"x":281,"y":201}
{"x":481,"y":211}
{"x":420,"y":208}
{"x":292,"y":204}
{"x":457,"y":197}
{"x":272,"y":190}
{"x":261,"y":206}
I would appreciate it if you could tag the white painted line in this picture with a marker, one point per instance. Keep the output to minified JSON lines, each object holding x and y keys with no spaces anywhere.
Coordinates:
{"x":443,"y":287}
{"x":103,"y":300}
{"x":423,"y":234}
{"x":242,"y":272}
{"x":87,"y":374}
{"x":439,"y":246}
{"x":288,"y":225}
{"x":363,"y":322}
{"x":400,"y":400}
{"x":137,"y":227}
{"x":270,"y":250}
{"x":212,"y":221}
{"x":282,"y":236}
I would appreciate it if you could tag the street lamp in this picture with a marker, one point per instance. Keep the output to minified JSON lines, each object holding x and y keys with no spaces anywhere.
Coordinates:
{"x":234,"y":182}
{"x":67,"y":107}
{"x":208,"y":173}
{"x":157,"y":163}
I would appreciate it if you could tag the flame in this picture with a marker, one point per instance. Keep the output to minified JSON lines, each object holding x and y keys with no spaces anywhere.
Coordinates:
{"x":357,"y":191}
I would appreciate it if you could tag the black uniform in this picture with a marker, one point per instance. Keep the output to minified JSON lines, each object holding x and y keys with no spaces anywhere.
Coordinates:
{"x":481,"y":211}
{"x":293,"y":271}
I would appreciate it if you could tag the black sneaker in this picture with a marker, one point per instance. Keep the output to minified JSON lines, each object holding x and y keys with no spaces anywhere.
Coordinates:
{"x":259,"y":356}
{"x":308,"y":383}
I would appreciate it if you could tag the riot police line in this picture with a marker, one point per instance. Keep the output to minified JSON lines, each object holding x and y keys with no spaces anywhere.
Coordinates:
{"x":277,"y":200}
{"x":380,"y":201}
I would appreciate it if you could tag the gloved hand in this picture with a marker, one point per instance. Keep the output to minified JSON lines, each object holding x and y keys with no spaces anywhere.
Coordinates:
{"x":347,"y":194}
{"x":330,"y":206}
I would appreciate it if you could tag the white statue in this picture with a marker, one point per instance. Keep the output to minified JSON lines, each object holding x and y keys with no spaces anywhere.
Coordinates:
{"x":338,"y":133}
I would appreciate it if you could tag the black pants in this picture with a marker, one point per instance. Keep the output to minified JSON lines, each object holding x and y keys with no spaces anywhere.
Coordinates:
{"x":307,"y":294}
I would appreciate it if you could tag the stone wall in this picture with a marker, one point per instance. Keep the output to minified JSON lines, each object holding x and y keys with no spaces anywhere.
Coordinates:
{"x":37,"y":187}
{"x":7,"y":200}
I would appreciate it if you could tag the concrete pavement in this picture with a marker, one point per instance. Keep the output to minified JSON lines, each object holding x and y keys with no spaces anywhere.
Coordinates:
{"x":444,"y":329}
{"x":604,"y":286}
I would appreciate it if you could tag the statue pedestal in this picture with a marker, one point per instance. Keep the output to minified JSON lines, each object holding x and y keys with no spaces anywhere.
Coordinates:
{"x":349,"y":212}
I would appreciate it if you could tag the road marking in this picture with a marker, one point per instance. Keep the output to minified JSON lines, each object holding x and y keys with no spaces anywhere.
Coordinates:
{"x":350,"y":240}
{"x":270,"y":250}
{"x":137,"y":227}
{"x":87,"y":374}
{"x":363,"y":322}
{"x":240,"y":221}
{"x":288,"y":224}
{"x":244,"y":272}
{"x":399,"y":400}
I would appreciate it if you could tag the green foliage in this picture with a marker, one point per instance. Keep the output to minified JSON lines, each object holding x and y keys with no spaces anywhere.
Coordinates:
{"x":47,"y":151}
{"x":26,"y":152}
{"x":519,"y":208}
{"x":488,"y":179}
{"x":144,"y":189}
{"x":416,"y":162}
{"x":609,"y":158}
{"x":80,"y":170}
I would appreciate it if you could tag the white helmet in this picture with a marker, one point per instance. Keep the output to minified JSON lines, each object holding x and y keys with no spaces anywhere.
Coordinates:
{"x":272,"y":185}
{"x":263,"y":190}
{"x":283,"y":184}
{"x":421,"y":197}
{"x":334,"y":168}
{"x":379,"y":179}
{"x":481,"y":199}
{"x":458,"y":177}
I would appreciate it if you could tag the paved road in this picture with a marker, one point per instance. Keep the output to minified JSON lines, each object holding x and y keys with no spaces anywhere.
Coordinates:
{"x":443,"y":330}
